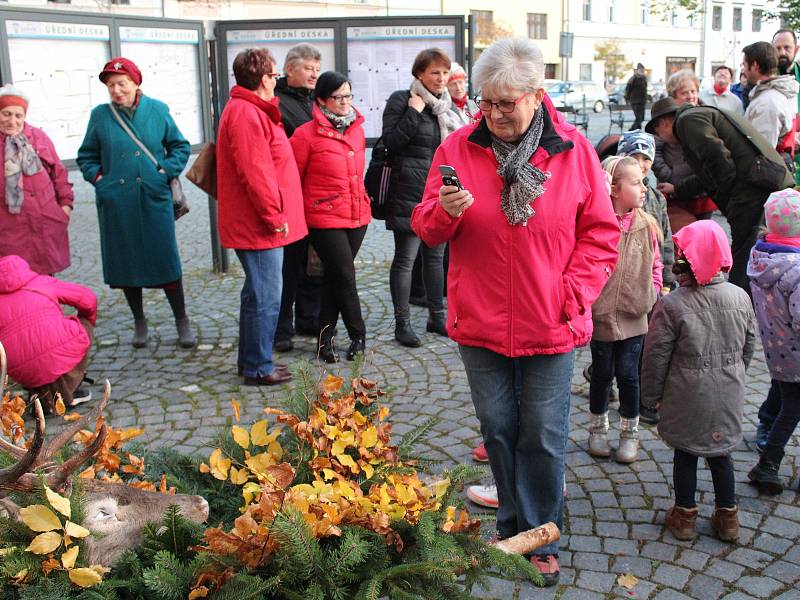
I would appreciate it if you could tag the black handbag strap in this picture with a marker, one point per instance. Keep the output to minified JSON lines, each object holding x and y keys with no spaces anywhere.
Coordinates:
{"x":132,"y":135}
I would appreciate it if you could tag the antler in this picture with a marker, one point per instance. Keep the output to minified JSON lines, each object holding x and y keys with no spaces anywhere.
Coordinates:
{"x":25,"y":464}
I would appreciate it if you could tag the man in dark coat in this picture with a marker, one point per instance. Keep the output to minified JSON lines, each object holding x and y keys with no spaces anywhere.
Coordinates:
{"x":636,"y":95}
{"x":722,"y":160}
{"x":301,"y":292}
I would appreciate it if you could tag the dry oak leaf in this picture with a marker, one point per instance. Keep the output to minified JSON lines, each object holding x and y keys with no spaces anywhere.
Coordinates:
{"x":628,"y":581}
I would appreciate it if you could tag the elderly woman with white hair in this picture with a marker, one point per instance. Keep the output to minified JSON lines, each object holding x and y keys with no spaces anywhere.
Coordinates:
{"x":463,"y":106}
{"x":36,"y":197}
{"x":533,"y":239}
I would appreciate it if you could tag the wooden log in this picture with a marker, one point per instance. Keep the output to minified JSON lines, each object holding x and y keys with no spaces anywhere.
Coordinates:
{"x":528,"y":541}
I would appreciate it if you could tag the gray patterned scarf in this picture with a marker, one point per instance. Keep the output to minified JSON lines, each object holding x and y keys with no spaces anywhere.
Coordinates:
{"x":440,"y":107}
{"x":340,"y":122}
{"x":523,"y":182}
{"x":21,"y":159}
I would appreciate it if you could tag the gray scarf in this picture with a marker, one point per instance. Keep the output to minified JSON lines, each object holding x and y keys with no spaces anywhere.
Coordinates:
{"x":523,"y":182}
{"x":340,"y":122}
{"x":440,"y":107}
{"x":21,"y":159}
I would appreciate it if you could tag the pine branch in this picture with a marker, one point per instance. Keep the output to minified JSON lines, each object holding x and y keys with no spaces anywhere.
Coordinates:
{"x":169,"y":578}
{"x":411,"y":438}
{"x":246,"y":587}
{"x":300,"y":551}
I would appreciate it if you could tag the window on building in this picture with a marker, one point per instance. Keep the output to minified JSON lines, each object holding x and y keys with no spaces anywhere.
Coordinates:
{"x":612,"y":10}
{"x":716,"y":18}
{"x":692,"y":21}
{"x":119,"y":2}
{"x":585,"y":71}
{"x":644,"y":12}
{"x":757,"y":12}
{"x":537,"y":26}
{"x":60,"y":1}
{"x":737,"y":18}
{"x":673,"y":18}
{"x":483,"y":21}
{"x":550,"y":70}
{"x":587,"y":10}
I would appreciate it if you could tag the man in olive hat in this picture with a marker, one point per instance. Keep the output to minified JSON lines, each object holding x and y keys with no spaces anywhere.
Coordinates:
{"x":726,"y":155}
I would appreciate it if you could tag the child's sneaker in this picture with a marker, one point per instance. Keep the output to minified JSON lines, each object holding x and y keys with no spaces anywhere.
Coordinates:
{"x":483,"y":495}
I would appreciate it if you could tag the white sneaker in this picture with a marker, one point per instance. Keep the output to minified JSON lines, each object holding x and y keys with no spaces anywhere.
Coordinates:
{"x":483,"y":495}
{"x":80,"y":396}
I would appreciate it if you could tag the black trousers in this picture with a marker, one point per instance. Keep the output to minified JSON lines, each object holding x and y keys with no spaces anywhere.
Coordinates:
{"x":788,"y":415}
{"x":301,"y":293}
{"x":684,"y":473}
{"x":337,"y":248}
{"x":745,"y":219}
{"x":406,"y":246}
{"x":638,"y":116}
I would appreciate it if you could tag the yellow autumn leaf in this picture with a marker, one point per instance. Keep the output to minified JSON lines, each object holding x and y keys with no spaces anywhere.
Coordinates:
{"x":60,"y":407}
{"x":249,"y":491}
{"x":383,"y":412}
{"x":237,"y":409}
{"x":241,"y":436}
{"x":369,"y":437}
{"x":219,"y":465}
{"x":440,"y":487}
{"x":338,"y":448}
{"x":367,"y":468}
{"x":58,"y":502}
{"x":76,"y":531}
{"x":198,"y":592}
{"x":359,"y":418}
{"x":21,"y":576}
{"x":328,"y":474}
{"x":44,"y":543}
{"x":4,"y":551}
{"x":39,"y":518}
{"x":84,"y":577}
{"x":348,"y":461}
{"x":628,"y":581}
{"x":258,"y":433}
{"x":69,"y":557}
{"x":239,"y":476}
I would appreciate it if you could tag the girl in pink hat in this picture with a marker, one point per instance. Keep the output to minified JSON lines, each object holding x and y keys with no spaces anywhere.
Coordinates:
{"x":774,"y":272}
{"x":698,"y":347}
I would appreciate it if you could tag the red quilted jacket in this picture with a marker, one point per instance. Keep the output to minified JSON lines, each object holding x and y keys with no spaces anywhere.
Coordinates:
{"x":40,"y":341}
{"x":331,"y":167}
{"x":258,"y":187}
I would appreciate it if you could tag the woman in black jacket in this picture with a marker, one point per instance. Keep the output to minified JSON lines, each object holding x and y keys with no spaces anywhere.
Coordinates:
{"x":415,"y":122}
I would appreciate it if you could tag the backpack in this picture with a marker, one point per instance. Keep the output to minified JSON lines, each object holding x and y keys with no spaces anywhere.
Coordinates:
{"x":377,"y":179}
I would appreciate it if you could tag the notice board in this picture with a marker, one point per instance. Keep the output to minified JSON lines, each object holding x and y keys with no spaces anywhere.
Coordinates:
{"x":57,"y":64}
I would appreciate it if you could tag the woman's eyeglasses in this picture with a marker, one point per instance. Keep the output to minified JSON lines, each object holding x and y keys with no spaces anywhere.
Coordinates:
{"x":504,"y":106}
{"x":273,"y":75}
{"x":342,"y":99}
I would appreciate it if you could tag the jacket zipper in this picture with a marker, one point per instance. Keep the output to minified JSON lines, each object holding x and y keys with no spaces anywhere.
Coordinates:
{"x":511,"y":292}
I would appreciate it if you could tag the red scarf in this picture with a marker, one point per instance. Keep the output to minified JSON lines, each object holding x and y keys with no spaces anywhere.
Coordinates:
{"x":460,"y":103}
{"x":720,"y":89}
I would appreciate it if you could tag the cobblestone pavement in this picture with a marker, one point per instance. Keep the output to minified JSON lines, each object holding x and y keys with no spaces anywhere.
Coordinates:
{"x":615,"y":513}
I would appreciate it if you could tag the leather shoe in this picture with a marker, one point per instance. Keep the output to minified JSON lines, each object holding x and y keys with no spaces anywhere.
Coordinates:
{"x":278,"y":367}
{"x":358,"y":345}
{"x":277,"y":377}
{"x":283,"y":345}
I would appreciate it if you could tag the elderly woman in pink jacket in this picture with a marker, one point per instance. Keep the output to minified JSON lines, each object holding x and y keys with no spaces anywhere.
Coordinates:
{"x":47,"y":351}
{"x":533,"y":239}
{"x":35,"y":195}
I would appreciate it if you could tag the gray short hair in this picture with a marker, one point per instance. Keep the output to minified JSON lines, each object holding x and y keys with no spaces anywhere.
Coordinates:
{"x":301,"y":53}
{"x":678,"y":78}
{"x":512,"y":63}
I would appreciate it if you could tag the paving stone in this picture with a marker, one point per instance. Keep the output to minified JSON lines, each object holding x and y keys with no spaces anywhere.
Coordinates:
{"x":659,"y":551}
{"x":675,"y":577}
{"x":590,"y":560}
{"x":761,"y":587}
{"x":596,"y":581}
{"x":783,"y":571}
{"x":641,"y":567}
{"x":703,"y":586}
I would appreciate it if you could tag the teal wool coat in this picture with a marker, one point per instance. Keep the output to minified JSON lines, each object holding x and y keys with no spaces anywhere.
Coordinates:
{"x":134,"y":201}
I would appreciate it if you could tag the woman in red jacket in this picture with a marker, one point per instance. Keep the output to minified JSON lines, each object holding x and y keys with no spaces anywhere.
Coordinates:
{"x":260,"y":206}
{"x":533,"y":239}
{"x":329,"y":151}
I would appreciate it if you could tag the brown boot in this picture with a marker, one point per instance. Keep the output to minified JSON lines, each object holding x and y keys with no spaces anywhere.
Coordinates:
{"x":680,"y":522}
{"x":725,"y":522}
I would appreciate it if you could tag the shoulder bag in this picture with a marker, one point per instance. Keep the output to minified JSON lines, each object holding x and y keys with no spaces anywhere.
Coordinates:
{"x":203,"y":172}
{"x":377,"y":178}
{"x":180,"y":206}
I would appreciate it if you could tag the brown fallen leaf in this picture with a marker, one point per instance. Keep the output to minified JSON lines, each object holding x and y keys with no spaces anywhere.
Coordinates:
{"x":628,"y":581}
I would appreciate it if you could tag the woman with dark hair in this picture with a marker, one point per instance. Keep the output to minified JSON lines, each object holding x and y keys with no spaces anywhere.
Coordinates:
{"x":260,"y":206}
{"x":415,"y":122}
{"x":329,"y":151}
{"x":133,"y":196}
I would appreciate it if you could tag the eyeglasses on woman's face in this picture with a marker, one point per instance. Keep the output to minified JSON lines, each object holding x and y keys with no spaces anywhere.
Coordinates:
{"x":504,"y":106}
{"x":342,"y":98}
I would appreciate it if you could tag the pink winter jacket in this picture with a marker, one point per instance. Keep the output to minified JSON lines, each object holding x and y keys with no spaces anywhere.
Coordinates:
{"x":41,"y":342}
{"x":523,"y":290}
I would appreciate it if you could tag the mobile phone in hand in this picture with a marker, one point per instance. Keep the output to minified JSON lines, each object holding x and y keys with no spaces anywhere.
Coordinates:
{"x":449,"y":176}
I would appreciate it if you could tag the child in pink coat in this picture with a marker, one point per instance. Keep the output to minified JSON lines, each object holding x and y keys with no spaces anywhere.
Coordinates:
{"x":47,"y":350}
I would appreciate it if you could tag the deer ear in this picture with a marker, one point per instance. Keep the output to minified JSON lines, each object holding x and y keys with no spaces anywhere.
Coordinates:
{"x":8,"y":509}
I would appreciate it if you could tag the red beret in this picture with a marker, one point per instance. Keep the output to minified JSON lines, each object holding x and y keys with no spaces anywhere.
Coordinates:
{"x":121,"y":66}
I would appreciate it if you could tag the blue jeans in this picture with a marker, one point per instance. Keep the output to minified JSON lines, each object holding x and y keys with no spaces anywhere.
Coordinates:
{"x":620,"y":359}
{"x":259,"y":308}
{"x":525,"y":436}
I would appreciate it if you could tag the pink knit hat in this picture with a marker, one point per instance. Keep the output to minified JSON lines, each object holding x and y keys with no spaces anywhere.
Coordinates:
{"x":782,"y":211}
{"x":705,"y":246}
